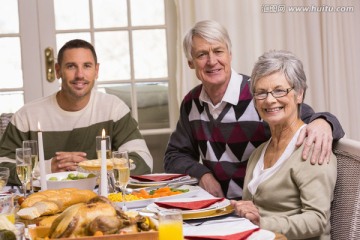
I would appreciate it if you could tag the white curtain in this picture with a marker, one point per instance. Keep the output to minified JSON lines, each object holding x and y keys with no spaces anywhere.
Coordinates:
{"x":324,"y":34}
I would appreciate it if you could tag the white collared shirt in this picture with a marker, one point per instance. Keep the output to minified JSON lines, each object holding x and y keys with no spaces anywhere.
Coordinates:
{"x":260,"y":174}
{"x":231,"y":95}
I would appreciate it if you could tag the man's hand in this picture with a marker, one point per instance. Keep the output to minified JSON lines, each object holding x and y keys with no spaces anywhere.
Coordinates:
{"x":66,"y":161}
{"x":247,"y":209}
{"x":211,"y":185}
{"x":319,"y":133}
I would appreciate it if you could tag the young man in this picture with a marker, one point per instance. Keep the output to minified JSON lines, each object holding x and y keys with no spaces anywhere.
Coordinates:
{"x":72,"y":118}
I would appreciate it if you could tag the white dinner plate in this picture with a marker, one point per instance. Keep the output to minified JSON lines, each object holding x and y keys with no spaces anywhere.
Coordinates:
{"x":218,"y":205}
{"x":228,"y":226}
{"x":193,"y":191}
{"x":138,"y":183}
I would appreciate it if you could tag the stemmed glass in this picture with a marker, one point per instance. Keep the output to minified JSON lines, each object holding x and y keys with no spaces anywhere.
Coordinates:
{"x":23,"y":166}
{"x":35,"y":174}
{"x":4,"y":176}
{"x":121,"y":172}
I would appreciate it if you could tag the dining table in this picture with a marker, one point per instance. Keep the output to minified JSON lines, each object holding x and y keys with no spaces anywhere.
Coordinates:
{"x":221,"y":222}
{"x":201,"y":225}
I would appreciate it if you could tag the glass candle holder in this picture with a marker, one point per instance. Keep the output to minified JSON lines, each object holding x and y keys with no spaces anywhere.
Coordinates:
{"x":103,"y":144}
{"x":98,"y":146}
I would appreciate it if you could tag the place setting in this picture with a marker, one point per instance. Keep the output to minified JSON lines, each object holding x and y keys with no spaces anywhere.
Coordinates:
{"x":194,"y":208}
{"x":160,"y":179}
{"x":207,"y":218}
{"x":230,"y":228}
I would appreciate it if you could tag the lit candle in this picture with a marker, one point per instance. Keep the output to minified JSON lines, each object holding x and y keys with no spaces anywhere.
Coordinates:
{"x":41,"y":160}
{"x":103,"y":175}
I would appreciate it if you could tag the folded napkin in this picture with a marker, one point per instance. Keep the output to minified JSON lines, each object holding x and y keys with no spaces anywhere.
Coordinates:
{"x":234,"y":228}
{"x":236,"y":236}
{"x":193,"y":205}
{"x":157,"y":178}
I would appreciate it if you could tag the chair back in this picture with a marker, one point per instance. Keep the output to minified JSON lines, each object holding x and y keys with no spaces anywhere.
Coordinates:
{"x":345,"y":209}
{"x":5,"y":118}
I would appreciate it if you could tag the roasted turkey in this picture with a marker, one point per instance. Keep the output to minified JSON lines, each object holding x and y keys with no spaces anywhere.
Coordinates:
{"x":98,"y":214}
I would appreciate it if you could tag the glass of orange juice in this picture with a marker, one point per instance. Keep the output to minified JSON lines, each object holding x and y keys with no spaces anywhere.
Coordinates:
{"x":170,"y":225}
{"x":11,"y":216}
{"x":7,"y":208}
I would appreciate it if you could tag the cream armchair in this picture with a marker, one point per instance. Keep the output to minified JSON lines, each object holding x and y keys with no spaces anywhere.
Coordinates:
{"x":345,"y":210}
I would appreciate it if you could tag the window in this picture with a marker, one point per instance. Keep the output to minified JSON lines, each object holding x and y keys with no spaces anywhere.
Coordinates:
{"x":11,"y":81}
{"x":135,"y":41}
{"x":130,"y":38}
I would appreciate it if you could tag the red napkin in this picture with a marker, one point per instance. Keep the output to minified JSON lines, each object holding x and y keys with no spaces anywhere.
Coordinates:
{"x":157,"y":178}
{"x":189,"y":205}
{"x":236,"y":236}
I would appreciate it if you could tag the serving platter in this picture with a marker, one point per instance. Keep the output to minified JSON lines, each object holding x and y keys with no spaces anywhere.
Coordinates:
{"x":42,"y":233}
{"x":193,"y":191}
{"x":94,"y":166}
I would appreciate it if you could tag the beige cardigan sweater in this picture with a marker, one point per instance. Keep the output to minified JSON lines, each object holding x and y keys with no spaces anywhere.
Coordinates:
{"x":296,"y":200}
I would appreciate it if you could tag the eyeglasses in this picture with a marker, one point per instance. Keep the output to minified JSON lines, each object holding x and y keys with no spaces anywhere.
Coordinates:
{"x":277,"y":93}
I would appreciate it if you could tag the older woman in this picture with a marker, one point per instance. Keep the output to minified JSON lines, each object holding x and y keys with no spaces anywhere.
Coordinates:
{"x":285,"y":194}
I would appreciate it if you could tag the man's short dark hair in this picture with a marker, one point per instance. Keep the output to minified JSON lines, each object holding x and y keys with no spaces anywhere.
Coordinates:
{"x":76,"y":43}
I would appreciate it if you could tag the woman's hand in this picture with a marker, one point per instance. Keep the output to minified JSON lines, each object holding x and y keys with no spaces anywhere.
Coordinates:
{"x":247,"y":209}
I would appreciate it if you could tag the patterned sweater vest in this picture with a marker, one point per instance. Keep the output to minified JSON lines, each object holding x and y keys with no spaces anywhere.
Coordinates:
{"x":225,"y":143}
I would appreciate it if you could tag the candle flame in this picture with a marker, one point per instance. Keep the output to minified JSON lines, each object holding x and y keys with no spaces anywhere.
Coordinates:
{"x":103,"y":133}
{"x":39,"y":126}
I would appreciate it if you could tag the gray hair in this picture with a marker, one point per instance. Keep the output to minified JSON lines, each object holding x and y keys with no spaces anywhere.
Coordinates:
{"x":280,"y":61}
{"x":209,"y":30}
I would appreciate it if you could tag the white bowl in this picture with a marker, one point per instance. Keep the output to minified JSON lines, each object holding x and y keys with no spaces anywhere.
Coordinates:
{"x":85,"y":183}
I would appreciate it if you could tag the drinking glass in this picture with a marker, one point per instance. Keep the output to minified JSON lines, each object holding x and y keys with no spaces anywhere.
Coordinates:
{"x":23,"y":166}
{"x":20,"y":230}
{"x":99,"y":139}
{"x":7,"y":208}
{"x":98,"y":146}
{"x":4,"y":177}
{"x":35,"y":173}
{"x":121,"y":170}
{"x":170,"y":225}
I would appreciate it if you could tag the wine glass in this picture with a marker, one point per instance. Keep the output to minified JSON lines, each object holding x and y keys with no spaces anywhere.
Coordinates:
{"x":23,"y":166}
{"x":35,"y":174}
{"x":121,"y":172}
{"x":4,"y":176}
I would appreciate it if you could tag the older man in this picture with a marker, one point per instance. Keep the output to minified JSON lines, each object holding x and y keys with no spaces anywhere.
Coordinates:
{"x":219,"y":124}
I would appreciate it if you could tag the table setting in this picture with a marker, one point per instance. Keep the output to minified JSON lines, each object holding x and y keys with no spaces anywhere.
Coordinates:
{"x":203,"y":216}
{"x":103,"y":192}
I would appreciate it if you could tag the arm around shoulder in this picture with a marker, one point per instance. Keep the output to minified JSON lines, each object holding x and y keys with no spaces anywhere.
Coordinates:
{"x":308,"y":115}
